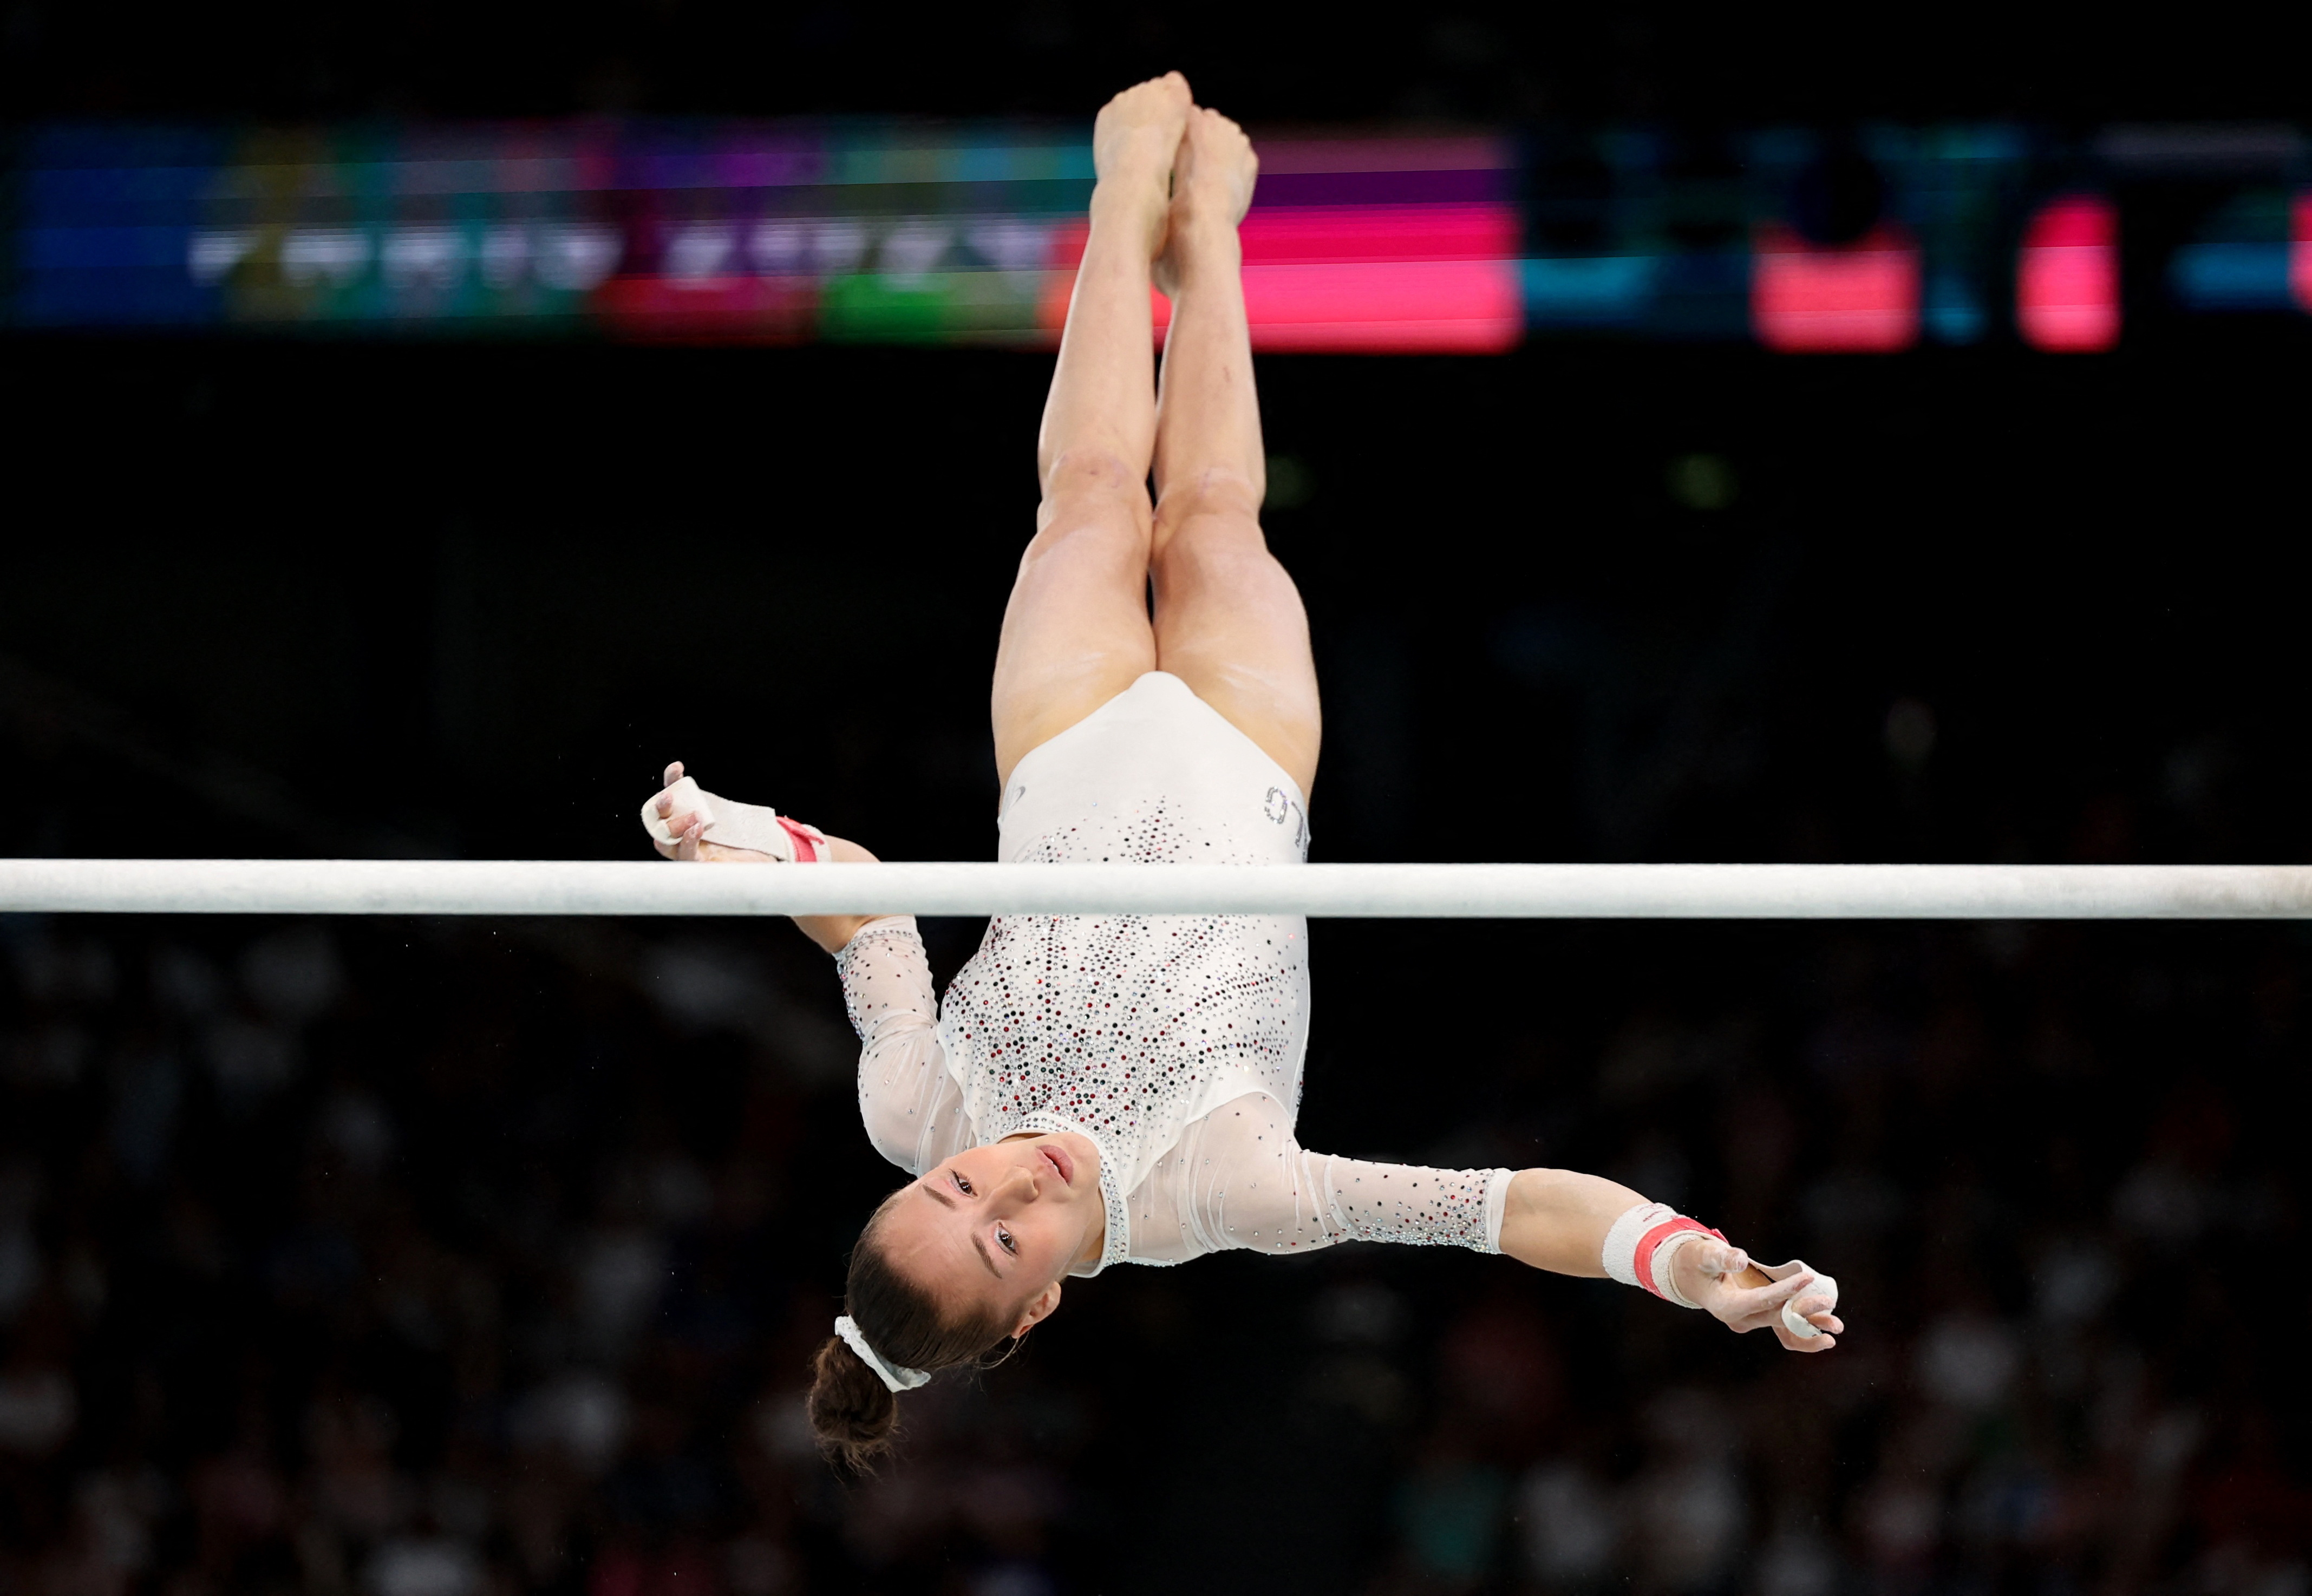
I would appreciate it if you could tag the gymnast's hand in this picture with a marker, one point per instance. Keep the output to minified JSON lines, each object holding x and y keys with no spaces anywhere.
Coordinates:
{"x":687,"y":841}
{"x":1719,"y":1278}
{"x":689,"y":844}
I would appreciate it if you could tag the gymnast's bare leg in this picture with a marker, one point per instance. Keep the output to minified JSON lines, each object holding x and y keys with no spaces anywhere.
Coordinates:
{"x":1229,"y":621}
{"x":1076,"y":631}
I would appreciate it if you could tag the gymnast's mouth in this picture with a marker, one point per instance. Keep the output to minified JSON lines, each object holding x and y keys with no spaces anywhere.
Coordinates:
{"x":1057,"y":1157}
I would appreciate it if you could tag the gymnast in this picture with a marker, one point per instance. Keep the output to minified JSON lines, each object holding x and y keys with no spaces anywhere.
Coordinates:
{"x":1095,"y":1089}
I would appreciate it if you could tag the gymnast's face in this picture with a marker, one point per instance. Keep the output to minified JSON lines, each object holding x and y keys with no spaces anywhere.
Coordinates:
{"x":993,"y":1229}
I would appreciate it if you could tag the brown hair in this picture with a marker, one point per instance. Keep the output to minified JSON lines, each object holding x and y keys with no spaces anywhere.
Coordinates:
{"x":852,"y":1411}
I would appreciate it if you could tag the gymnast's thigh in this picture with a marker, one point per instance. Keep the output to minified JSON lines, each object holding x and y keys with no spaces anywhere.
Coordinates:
{"x":1076,"y":630}
{"x":1230,"y":623}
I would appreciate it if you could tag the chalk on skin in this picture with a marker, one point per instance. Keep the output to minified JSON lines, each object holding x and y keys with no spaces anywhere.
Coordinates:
{"x":1824,"y":1285}
{"x":733,"y":824}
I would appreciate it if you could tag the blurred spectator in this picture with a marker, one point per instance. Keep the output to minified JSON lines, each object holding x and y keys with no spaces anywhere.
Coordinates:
{"x":1686,"y":1510}
{"x":351,"y":1261}
{"x":1569,"y":1530}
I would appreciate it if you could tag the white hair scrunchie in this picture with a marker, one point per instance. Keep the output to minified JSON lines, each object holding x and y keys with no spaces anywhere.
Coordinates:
{"x":894,"y":1378}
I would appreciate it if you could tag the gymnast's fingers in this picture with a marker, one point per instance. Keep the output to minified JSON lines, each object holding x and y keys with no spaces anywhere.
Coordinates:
{"x":673,"y":773}
{"x":1809,"y":1344}
{"x":1818,"y":1311}
{"x":1814,"y":1310}
{"x":1747,"y":1308}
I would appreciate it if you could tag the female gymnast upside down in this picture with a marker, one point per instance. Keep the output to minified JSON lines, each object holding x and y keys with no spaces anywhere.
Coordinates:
{"x":1095,"y":1089}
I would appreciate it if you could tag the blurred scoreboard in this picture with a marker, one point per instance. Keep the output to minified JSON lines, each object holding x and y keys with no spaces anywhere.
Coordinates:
{"x":1877,"y":239}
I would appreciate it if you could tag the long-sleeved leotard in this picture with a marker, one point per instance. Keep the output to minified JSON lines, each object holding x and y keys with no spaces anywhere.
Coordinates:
{"x":1234,"y":1177}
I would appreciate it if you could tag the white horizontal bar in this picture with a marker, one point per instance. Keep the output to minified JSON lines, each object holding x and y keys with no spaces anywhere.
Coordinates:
{"x":1366,"y":892}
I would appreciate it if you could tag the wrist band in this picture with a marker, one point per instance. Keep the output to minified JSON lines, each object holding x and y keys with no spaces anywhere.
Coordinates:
{"x":1643,"y":1244}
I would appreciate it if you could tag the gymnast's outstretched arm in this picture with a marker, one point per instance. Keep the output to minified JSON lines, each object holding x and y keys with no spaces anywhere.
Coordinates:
{"x":1242,"y":1180}
{"x":690,"y":844}
{"x":1560,"y":1220}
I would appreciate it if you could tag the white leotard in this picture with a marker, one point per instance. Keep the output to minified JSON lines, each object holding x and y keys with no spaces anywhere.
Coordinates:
{"x":1174,"y":1042}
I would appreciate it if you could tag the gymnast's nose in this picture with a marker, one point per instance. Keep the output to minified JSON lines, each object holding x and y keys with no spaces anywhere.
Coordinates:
{"x":1019,"y":1185}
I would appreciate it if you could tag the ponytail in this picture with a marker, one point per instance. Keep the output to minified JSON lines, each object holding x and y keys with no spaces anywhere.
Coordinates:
{"x":853,"y":1413}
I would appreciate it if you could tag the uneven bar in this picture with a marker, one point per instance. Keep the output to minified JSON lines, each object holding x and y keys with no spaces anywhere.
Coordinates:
{"x":1341,"y":891}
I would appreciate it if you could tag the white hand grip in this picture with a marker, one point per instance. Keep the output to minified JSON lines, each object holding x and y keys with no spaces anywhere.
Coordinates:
{"x":1823,"y":1285}
{"x":734,"y":825}
{"x":688,"y":799}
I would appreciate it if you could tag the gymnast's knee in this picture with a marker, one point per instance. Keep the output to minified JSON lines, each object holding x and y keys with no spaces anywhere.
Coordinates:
{"x":1223,"y":501}
{"x":1093,"y":473}
{"x":1090,"y":534}
{"x":1089,"y":507}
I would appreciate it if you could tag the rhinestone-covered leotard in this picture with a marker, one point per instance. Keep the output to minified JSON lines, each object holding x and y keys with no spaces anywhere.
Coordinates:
{"x":1175,"y":1042}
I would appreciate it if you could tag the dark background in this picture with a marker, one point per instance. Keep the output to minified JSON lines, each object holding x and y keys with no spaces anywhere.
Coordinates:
{"x":427,"y":1258}
{"x":1686,"y":63}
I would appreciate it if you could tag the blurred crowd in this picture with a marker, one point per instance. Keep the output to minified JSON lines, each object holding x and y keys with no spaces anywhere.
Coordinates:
{"x":425,"y":1260}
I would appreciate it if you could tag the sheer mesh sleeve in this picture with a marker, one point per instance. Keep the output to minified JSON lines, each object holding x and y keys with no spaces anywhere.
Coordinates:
{"x":911,"y":1106}
{"x":1239,"y":1180}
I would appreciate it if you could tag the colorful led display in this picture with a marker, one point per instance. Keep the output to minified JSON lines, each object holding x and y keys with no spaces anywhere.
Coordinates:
{"x":1869,"y":241}
{"x":1370,"y":245}
{"x":2067,"y":277}
{"x":2299,"y":252}
{"x":712,"y":232}
{"x":1861,"y":297}
{"x":2239,"y":258}
{"x":888,"y":235}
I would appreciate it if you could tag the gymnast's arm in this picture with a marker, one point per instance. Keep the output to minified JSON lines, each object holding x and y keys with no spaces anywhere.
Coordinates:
{"x":831,"y":932}
{"x":1244,"y":1181}
{"x":1557,"y":1220}
{"x":910,"y":1104}
{"x":908,"y":1100}
{"x":911,"y":1107}
{"x":834,"y":933}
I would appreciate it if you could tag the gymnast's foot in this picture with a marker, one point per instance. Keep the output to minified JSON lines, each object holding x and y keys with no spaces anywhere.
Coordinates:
{"x":1212,"y":188}
{"x":1132,"y":145}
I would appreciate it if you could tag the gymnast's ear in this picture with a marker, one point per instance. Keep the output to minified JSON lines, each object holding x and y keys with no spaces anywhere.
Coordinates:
{"x":1039,"y":1307}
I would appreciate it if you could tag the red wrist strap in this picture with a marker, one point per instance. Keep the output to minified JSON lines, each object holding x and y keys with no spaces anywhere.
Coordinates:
{"x":1642,"y":1262}
{"x":810,"y":843}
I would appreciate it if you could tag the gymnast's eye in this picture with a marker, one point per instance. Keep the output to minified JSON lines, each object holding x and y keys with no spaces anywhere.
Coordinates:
{"x":1005,"y":1237}
{"x":961,"y":1184}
